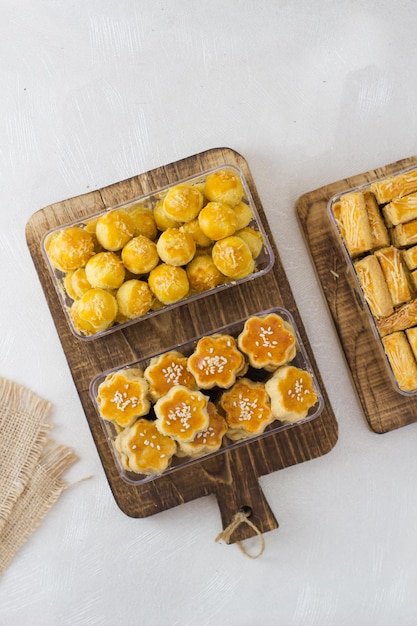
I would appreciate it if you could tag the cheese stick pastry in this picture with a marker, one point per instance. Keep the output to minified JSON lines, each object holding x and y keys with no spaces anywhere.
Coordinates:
{"x":395,"y":274}
{"x":412,"y":339}
{"x":402,"y":361}
{"x":395,"y":186}
{"x":405,"y":234}
{"x":404,"y":317}
{"x":357,"y":229}
{"x":379,"y":232}
{"x":410,"y":257}
{"x":374,"y":286}
{"x":401,"y":210}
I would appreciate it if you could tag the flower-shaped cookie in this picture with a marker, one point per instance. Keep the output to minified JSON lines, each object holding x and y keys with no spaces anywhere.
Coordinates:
{"x":182,"y":413}
{"x":292,"y":393}
{"x":143,"y":449}
{"x":268,"y":341}
{"x":216,"y":361}
{"x":123,"y":397}
{"x":208,"y":440}
{"x":247,"y":409}
{"x":166,"y":371}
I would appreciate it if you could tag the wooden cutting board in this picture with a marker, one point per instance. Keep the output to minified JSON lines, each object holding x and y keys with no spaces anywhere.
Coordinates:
{"x":385,"y":409}
{"x":233,"y":475}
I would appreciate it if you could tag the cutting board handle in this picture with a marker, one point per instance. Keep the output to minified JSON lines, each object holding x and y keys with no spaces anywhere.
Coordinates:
{"x":237,"y":488}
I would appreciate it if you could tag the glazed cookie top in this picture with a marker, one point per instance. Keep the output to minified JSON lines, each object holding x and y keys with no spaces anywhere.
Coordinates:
{"x":216,"y":361}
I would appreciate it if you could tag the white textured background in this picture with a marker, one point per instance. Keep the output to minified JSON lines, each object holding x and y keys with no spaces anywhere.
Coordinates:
{"x":93,"y":92}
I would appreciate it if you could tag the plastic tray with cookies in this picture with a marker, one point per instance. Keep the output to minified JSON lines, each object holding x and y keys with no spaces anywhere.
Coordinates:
{"x":376,"y":225}
{"x":240,"y":382}
{"x":156,"y":252}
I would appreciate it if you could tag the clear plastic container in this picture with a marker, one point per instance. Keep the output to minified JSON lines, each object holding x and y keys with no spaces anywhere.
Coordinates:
{"x":62,"y":277}
{"x":300,"y":360}
{"x":337,"y":227}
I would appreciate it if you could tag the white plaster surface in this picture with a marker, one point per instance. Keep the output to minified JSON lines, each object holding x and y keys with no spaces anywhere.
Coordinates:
{"x":95,"y":91}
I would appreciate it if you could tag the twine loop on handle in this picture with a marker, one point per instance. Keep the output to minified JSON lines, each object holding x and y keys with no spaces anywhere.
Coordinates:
{"x":242,"y":517}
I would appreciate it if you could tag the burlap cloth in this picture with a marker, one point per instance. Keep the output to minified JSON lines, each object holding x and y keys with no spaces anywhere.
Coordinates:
{"x":31,"y":466}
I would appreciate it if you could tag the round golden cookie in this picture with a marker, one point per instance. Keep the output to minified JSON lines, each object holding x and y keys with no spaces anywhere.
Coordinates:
{"x":168,"y":283}
{"x":268,"y":341}
{"x":144,"y":221}
{"x":292,"y":393}
{"x":217,"y":220}
{"x":208,"y":440}
{"x":162,"y":219}
{"x":183,"y":202}
{"x":253,"y":238}
{"x":224,"y":185}
{"x":70,"y":248}
{"x":247,"y":409}
{"x":216,"y":362}
{"x":105,"y":270}
{"x":203,"y":274}
{"x":76,"y":283}
{"x":94,"y":312}
{"x":233,"y":258}
{"x":123,"y":397}
{"x":243,"y":214}
{"x":175,"y":247}
{"x":114,"y":229}
{"x":143,"y":449}
{"x":182,"y":413}
{"x":166,"y":371}
{"x":134,"y":298}
{"x":140,"y":255}
{"x":193,"y":228}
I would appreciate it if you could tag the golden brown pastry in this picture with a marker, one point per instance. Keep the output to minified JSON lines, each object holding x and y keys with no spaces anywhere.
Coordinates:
{"x":243,"y":214}
{"x":402,"y":318}
{"x":105,"y":270}
{"x":233,"y":258}
{"x":401,"y":359}
{"x":217,"y":220}
{"x":268,"y":341}
{"x":203,"y":274}
{"x":140,"y":255}
{"x":183,"y":202}
{"x":412,"y":339}
{"x":404,"y":234}
{"x":143,"y":220}
{"x":143,"y":449}
{"x":394,"y":186}
{"x":123,"y":397}
{"x":69,"y":248}
{"x":357,"y":228}
{"x":253,"y":238}
{"x":76,"y":283}
{"x":194,"y":229}
{"x":224,"y":185}
{"x":401,"y":210}
{"x":162,"y":219}
{"x":114,"y":229}
{"x":182,"y":413}
{"x":168,"y":283}
{"x":216,"y":361}
{"x":395,"y":274}
{"x":410,"y":257}
{"x":292,"y":393}
{"x":175,"y":247}
{"x":208,"y":440}
{"x":379,"y":232}
{"x":94,"y":312}
{"x":374,"y":286}
{"x":166,"y":371}
{"x":134,"y":298}
{"x":247,"y":409}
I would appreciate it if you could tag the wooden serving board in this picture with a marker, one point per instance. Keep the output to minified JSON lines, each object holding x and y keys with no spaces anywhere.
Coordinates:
{"x":385,"y":408}
{"x":233,"y":475}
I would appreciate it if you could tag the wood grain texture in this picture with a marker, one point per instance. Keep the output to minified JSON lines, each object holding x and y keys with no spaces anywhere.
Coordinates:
{"x":385,"y":409}
{"x":233,"y":475}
